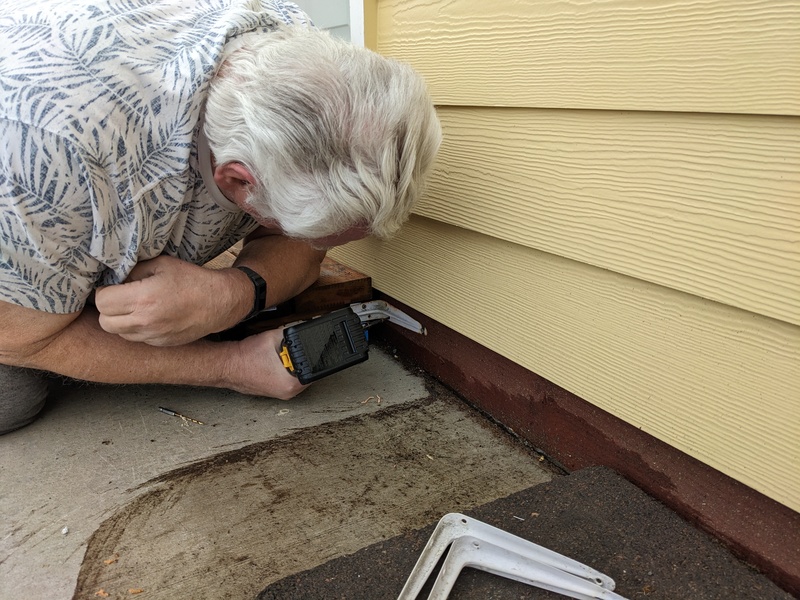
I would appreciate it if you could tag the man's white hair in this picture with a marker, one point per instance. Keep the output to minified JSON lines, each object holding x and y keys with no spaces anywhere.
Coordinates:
{"x":336,"y":135}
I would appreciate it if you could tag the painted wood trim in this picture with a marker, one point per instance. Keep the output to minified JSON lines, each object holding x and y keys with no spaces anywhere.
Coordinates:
{"x":725,"y":56}
{"x":357,"y":28}
{"x":364,"y":23}
{"x":715,"y":382}
{"x":706,"y":204}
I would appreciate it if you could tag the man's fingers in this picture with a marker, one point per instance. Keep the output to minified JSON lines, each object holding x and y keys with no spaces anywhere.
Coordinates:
{"x":119,"y":324}
{"x":128,"y":328}
{"x":124,"y":298}
{"x":116,"y":300}
{"x":163,"y":302}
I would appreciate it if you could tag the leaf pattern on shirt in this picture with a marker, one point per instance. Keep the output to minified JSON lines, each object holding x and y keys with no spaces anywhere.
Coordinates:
{"x":99,"y":106}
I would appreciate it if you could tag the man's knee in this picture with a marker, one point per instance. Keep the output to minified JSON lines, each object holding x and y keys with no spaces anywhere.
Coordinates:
{"x":22,"y":397}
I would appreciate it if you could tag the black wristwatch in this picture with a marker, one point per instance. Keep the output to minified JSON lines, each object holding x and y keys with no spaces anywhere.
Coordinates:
{"x":260,"y":288}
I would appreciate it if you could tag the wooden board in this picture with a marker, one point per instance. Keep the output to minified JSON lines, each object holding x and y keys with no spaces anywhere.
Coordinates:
{"x":337,"y":286}
{"x":723,"y":56}
{"x":718,"y":383}
{"x":707,"y":204}
{"x":226,"y":259}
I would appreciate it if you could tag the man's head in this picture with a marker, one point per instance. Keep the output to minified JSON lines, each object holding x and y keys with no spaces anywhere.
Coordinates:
{"x":335,"y":138}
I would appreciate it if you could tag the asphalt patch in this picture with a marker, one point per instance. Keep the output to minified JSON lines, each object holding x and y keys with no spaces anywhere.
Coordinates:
{"x":593,"y":515}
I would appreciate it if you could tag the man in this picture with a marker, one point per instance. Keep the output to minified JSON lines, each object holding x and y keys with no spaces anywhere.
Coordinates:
{"x":139,"y":140}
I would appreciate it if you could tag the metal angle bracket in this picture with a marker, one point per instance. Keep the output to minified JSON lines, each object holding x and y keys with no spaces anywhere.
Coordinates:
{"x":479,"y":545}
{"x":375,"y":311}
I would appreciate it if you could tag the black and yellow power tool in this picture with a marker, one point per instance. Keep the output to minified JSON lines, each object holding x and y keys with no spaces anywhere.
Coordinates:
{"x":330,"y":343}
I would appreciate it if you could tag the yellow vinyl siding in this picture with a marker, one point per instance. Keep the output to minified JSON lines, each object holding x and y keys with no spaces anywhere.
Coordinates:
{"x":616,"y":207}
{"x":707,"y":204}
{"x":728,"y":56}
{"x":716,"y":382}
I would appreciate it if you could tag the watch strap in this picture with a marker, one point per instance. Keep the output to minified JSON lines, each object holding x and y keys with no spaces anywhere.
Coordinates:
{"x":260,"y":290}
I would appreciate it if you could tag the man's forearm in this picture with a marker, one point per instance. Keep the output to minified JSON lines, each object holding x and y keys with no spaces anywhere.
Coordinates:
{"x":84,"y":351}
{"x":288,"y":266}
{"x":76,"y":346}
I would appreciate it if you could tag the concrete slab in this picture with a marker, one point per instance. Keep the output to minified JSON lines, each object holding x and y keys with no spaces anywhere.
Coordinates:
{"x":95,"y":445}
{"x":226,"y":526}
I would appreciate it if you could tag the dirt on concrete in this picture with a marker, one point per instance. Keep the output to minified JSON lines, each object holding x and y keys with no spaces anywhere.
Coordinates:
{"x":94,"y":446}
{"x":229,"y":525}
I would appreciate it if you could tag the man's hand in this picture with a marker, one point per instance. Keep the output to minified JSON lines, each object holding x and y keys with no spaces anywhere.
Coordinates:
{"x":169,"y":302}
{"x":257,"y":368}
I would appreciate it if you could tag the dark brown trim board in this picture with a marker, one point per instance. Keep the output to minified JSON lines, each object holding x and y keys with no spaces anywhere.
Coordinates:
{"x":577,"y":434}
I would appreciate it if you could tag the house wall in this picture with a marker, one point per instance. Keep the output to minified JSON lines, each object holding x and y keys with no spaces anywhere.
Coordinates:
{"x":616,"y":207}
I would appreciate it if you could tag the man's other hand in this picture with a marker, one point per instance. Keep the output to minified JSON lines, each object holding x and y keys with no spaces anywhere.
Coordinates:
{"x":168,"y":302}
{"x":256,"y":368}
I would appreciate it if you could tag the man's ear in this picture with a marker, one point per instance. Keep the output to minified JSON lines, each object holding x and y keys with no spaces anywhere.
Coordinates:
{"x":234,"y":180}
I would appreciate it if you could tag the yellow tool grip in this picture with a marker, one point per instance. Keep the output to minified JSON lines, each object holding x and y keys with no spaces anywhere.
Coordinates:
{"x":287,"y":360}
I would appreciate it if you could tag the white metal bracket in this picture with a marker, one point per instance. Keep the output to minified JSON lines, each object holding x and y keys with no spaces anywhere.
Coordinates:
{"x":375,"y":311}
{"x":476,"y":544}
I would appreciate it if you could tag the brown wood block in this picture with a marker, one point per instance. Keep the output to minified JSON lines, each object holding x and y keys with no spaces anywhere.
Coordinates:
{"x":337,"y":286}
{"x":224,"y":260}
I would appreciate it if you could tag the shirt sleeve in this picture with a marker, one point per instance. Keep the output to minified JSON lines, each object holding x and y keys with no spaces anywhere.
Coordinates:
{"x":46,"y":221}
